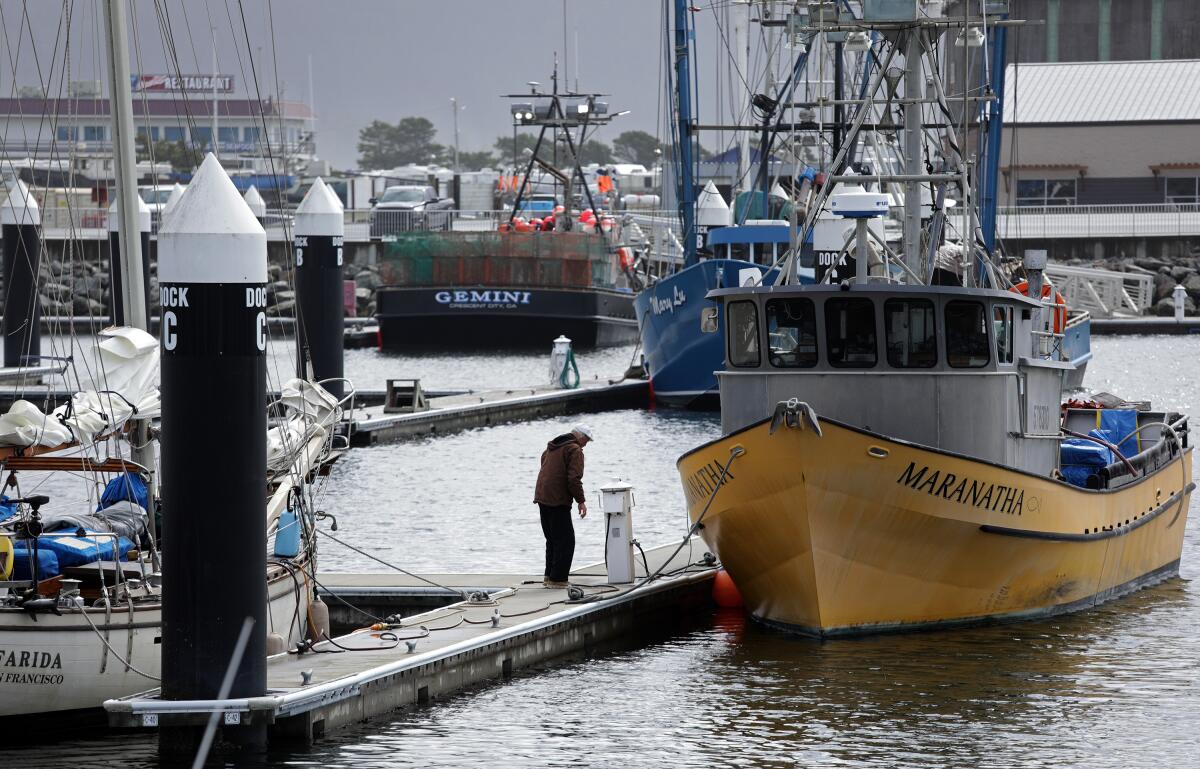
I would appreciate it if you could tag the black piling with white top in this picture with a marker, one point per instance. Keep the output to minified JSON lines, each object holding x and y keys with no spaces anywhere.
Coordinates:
{"x":320,"y":329}
{"x":20,"y":222}
{"x":212,"y":284}
{"x":115,"y":311}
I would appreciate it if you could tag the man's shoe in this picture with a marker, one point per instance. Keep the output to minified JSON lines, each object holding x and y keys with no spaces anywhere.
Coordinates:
{"x":553,"y":583}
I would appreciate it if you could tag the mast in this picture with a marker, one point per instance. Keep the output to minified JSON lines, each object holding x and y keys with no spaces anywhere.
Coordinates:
{"x":132,"y":298}
{"x":995,"y":124}
{"x":913,"y":143}
{"x":683,"y":88}
{"x":133,"y":303}
{"x":741,"y":49}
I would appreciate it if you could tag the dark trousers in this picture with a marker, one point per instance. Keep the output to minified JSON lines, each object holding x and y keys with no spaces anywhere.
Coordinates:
{"x":560,"y":541}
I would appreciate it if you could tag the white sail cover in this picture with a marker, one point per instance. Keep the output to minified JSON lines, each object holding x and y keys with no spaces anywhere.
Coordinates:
{"x":127,"y":389}
{"x":309,"y":412}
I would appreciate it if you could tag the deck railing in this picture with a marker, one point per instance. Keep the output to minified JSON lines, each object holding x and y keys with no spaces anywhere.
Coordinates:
{"x":1152,"y":220}
{"x":1103,"y":293}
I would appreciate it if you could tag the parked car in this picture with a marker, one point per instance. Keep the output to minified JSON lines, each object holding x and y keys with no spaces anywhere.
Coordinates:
{"x":537,"y":205}
{"x":404,"y":208}
{"x":155,"y":197}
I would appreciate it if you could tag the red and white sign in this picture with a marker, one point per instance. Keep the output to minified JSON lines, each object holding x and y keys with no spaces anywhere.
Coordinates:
{"x":182,"y":83}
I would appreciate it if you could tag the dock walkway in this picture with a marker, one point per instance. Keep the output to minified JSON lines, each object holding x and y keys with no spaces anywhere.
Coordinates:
{"x":432,"y":655}
{"x":488,"y":407}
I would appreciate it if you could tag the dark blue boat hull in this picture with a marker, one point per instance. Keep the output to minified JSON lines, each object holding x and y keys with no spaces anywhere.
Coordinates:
{"x":679,"y":359}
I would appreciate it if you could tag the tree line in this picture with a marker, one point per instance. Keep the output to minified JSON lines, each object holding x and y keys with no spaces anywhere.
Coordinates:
{"x":412,"y":140}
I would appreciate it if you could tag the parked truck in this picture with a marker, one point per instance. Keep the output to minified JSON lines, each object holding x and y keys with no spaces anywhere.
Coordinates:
{"x":404,"y":208}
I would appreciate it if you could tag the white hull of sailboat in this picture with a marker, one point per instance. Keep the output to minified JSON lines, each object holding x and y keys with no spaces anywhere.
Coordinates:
{"x":58,"y":663}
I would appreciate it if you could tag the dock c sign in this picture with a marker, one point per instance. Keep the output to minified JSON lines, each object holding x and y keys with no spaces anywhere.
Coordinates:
{"x":257,"y":297}
{"x":171,"y":296}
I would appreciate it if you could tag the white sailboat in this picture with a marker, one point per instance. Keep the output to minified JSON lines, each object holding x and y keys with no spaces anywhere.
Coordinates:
{"x":80,"y":582}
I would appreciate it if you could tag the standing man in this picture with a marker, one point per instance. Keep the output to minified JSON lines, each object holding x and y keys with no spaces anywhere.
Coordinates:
{"x":559,"y":481}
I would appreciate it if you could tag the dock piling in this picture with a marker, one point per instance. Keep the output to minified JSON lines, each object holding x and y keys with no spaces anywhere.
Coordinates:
{"x":320,"y":315}
{"x":116,"y":280}
{"x":20,"y":222}
{"x":212,"y":278}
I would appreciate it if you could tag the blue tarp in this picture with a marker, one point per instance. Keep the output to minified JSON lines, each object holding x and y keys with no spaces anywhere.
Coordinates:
{"x":47,"y":562}
{"x":126,"y":486}
{"x":76,"y":551}
{"x":7,"y":509}
{"x":1121,"y":424}
{"x":1081,"y":458}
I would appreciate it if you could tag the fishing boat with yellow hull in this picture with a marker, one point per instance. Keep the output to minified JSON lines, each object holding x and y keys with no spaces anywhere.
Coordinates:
{"x":844,"y":531}
{"x":897,"y":453}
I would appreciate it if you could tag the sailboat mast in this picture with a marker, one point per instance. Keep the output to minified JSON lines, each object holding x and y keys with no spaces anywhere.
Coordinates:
{"x":132,"y":298}
{"x":133,"y":301}
{"x":683,"y":87}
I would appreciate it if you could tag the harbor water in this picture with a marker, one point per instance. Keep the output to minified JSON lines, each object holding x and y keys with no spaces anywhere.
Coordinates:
{"x":1118,"y":686}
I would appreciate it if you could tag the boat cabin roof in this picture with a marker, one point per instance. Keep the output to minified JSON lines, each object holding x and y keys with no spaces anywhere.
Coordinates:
{"x":882,"y":328}
{"x":870,"y":289}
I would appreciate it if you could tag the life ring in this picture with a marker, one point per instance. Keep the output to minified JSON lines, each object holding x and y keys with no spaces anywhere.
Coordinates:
{"x":1060,"y":304}
{"x":625,"y":258}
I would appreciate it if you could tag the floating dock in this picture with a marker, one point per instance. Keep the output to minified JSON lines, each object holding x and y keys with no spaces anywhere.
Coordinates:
{"x":480,"y":409}
{"x":513,"y":623}
{"x":1145,"y":326}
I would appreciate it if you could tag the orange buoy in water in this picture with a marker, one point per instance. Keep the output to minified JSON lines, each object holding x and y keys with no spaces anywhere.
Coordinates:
{"x":725,"y":593}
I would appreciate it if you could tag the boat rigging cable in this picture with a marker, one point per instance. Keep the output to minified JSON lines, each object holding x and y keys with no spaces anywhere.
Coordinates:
{"x":735,"y":452}
{"x":392,"y":565}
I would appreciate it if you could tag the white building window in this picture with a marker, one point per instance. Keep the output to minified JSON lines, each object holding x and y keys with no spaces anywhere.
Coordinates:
{"x":1183,"y":190}
{"x":1046,"y":192}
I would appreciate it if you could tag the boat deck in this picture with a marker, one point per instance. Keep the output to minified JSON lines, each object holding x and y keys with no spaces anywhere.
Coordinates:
{"x":435,"y":654}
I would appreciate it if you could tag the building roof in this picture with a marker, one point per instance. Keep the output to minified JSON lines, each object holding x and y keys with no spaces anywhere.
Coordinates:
{"x":181,"y":108}
{"x":1103,"y":92}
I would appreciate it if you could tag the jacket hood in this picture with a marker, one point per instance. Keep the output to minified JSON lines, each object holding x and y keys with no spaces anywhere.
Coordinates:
{"x":561,"y":441}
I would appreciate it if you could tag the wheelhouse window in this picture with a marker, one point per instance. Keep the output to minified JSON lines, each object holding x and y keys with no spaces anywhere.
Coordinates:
{"x":850,"y":333}
{"x":792,"y":333}
{"x":1002,"y":329}
{"x":911,"y":337}
{"x":1046,"y":192}
{"x":743,"y":334}
{"x":966,"y":335}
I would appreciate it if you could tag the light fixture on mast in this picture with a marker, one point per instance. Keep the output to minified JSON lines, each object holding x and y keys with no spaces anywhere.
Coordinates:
{"x":971,"y":37}
{"x":858,"y":42}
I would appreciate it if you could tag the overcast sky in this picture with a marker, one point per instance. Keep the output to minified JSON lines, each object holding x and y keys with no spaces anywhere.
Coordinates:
{"x":385,"y":59}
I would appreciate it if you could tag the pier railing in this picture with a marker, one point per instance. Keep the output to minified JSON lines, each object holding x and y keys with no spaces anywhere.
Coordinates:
{"x":1103,"y":293}
{"x":1152,"y":220}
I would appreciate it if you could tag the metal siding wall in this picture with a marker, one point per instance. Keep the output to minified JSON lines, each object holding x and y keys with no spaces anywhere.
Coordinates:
{"x":1028,"y":43}
{"x":1110,"y":191}
{"x":1079,"y":30}
{"x":1131,"y":30}
{"x":1181,"y":19}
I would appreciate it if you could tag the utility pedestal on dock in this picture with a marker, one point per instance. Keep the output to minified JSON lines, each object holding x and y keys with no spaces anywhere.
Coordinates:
{"x":22,"y":328}
{"x":115,"y":309}
{"x":320,"y":316}
{"x":212,"y":280}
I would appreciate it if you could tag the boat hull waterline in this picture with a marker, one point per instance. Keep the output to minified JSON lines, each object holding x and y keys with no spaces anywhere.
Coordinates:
{"x":850,"y":532}
{"x":59,"y":664}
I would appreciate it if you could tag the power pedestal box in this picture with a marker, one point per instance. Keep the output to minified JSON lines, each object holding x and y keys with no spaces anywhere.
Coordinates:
{"x":616,"y":501}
